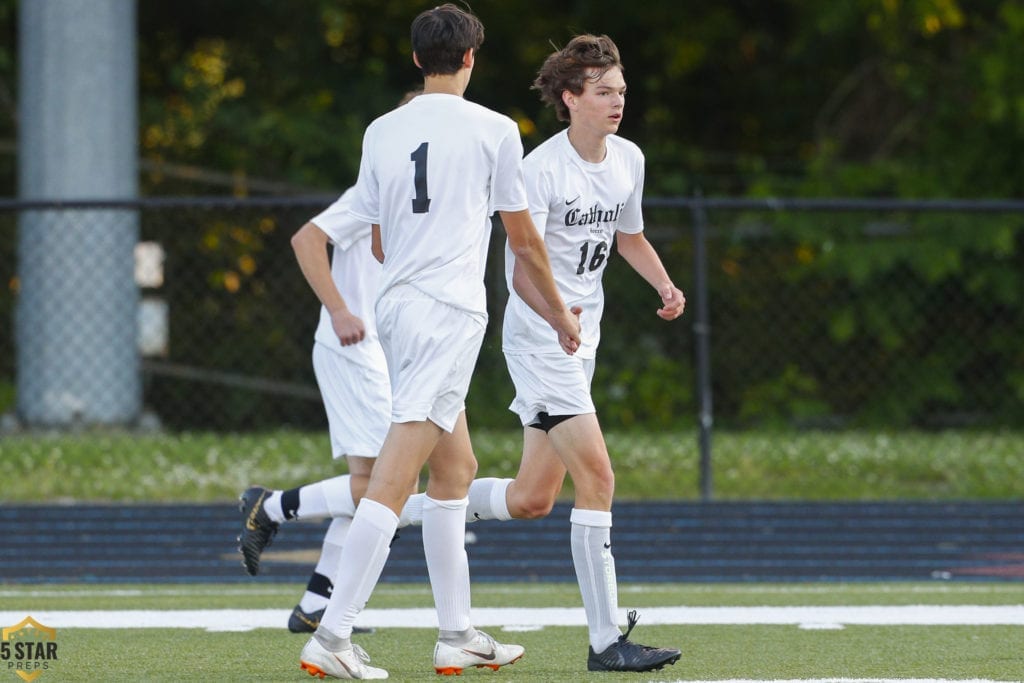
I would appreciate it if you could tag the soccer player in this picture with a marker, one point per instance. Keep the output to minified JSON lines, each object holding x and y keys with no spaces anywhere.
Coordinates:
{"x":585,"y":186}
{"x":352,"y":374}
{"x":351,"y":371}
{"x":430,"y":175}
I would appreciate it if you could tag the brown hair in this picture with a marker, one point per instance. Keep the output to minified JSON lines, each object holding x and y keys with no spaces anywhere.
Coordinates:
{"x":570,"y":67}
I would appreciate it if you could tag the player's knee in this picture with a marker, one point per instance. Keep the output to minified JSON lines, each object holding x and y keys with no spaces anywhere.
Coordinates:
{"x":358,"y":484}
{"x":536,"y":511}
{"x":532,"y":507}
{"x":467,"y":470}
{"x":599,"y":484}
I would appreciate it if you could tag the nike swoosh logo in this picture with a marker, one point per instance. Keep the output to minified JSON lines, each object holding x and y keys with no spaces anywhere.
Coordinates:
{"x":350,"y":670}
{"x":482,"y":655}
{"x":572,"y":201}
{"x":607,"y":545}
{"x":250,"y":522}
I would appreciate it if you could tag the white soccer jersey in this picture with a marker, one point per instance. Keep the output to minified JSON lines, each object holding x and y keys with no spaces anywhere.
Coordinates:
{"x":578,"y":206}
{"x":432,"y":173}
{"x":356,"y":274}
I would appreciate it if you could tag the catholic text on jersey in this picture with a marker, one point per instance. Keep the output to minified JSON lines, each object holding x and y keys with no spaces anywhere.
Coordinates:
{"x":594,"y":214}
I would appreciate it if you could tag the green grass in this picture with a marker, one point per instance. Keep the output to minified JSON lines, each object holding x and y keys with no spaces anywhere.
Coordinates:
{"x":851,"y":465}
{"x":554,"y":654}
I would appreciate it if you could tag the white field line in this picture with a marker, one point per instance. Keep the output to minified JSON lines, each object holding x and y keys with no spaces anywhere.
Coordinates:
{"x":987,"y":589}
{"x":529,"y":618}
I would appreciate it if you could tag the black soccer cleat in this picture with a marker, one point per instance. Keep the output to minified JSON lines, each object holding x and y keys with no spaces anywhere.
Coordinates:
{"x":307,"y":622}
{"x":624,"y":655}
{"x":257,"y":529}
{"x":304,"y":622}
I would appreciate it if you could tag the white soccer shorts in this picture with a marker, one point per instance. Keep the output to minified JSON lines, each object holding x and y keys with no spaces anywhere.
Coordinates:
{"x":431,"y":350}
{"x":557,"y":384}
{"x":357,"y":399}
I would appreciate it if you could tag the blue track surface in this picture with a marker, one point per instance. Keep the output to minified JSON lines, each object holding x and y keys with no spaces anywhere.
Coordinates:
{"x":652,"y":542}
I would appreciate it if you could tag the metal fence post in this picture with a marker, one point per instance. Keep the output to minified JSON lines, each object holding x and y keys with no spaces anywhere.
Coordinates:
{"x":77,"y":361}
{"x":702,"y":337}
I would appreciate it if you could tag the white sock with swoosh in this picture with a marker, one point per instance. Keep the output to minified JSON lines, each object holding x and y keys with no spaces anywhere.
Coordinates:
{"x":595,"y":572}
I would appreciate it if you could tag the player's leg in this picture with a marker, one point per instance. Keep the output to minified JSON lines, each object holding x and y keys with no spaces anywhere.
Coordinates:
{"x":366,"y":549}
{"x":264,"y":510}
{"x":530,"y":495}
{"x":550,"y":388}
{"x":539,"y":480}
{"x":452,"y":467}
{"x":580,"y":446}
{"x":305,"y":617}
{"x":357,"y":401}
{"x":418,"y":380}
{"x":459,"y":644}
{"x":580,"y":443}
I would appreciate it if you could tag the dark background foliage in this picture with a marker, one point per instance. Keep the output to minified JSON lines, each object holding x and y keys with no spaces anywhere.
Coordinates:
{"x":861,"y":98}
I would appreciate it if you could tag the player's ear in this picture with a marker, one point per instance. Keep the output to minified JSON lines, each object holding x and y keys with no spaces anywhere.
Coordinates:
{"x":416,"y":61}
{"x":569,"y":99}
{"x":469,"y":58}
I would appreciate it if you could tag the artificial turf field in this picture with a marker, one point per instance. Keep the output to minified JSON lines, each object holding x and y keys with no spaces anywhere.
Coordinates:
{"x":940,"y":631}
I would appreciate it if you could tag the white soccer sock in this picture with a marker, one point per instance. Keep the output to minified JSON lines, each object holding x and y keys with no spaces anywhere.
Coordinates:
{"x":272,"y":506}
{"x":328,"y":498}
{"x":444,"y":544}
{"x":412,"y":513}
{"x":327,"y":565}
{"x":595,"y":572}
{"x":362,"y":560}
{"x":487,"y":499}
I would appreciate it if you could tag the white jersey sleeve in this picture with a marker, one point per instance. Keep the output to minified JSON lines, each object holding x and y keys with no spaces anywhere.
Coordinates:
{"x":339,"y":224}
{"x":578,"y":206}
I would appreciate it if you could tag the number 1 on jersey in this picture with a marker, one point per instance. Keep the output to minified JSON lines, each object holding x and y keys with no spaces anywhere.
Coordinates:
{"x":421,"y":202}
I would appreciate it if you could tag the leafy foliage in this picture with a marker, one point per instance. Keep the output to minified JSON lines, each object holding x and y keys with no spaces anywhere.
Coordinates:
{"x":867,"y":98}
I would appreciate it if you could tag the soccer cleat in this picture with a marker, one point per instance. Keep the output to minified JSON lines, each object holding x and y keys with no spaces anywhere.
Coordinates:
{"x":307,"y":622}
{"x":482,"y":651}
{"x":304,"y":622}
{"x":257,"y":530}
{"x":624,"y":655}
{"x":351,"y":664}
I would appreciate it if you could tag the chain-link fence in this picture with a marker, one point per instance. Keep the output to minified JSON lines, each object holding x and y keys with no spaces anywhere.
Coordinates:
{"x":800,"y":313}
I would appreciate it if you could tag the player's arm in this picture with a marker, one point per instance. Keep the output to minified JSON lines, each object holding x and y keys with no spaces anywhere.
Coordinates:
{"x":376,"y":246}
{"x":639,"y":254}
{"x":532,"y":257}
{"x":525,"y":289}
{"x":310,"y":246}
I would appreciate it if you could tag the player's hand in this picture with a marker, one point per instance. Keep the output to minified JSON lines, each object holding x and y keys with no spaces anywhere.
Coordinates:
{"x":349,"y":328}
{"x":673,"y":302}
{"x":567,"y":325}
